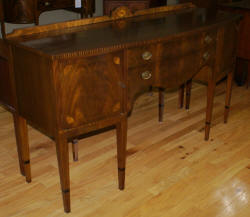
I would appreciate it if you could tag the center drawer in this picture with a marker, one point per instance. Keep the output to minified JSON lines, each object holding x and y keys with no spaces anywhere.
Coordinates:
{"x":145,"y":55}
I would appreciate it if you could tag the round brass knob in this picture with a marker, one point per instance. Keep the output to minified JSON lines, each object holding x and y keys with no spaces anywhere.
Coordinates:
{"x":208,"y":39}
{"x":47,"y":3}
{"x":206,"y":56}
{"x":146,"y":75}
{"x":147,"y":55}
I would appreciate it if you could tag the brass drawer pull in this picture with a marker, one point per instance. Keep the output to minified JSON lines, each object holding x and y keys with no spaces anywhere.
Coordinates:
{"x":206,"y":56}
{"x":47,"y":3}
{"x":147,"y":55}
{"x":146,"y":75}
{"x":208,"y":39}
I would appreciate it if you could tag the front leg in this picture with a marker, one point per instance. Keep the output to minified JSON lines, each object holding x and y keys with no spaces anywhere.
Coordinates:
{"x":161,"y":104}
{"x":75,"y":149}
{"x":22,"y":143}
{"x":209,"y":111}
{"x":181,"y":95}
{"x":62,"y":151}
{"x":228,"y":95}
{"x":188,"y":93}
{"x":121,"y":133}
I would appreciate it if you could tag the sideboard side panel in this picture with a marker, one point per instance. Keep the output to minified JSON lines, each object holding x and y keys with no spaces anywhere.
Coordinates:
{"x":34,"y":89}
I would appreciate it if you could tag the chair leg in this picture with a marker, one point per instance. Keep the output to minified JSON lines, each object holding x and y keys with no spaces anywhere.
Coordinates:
{"x":22,"y":143}
{"x":228,"y":95}
{"x":209,"y":111}
{"x":62,"y":151}
{"x":121,"y":133}
{"x":188,"y":93}
{"x":161,"y":104}
{"x":75,"y":149}
{"x":181,"y":95}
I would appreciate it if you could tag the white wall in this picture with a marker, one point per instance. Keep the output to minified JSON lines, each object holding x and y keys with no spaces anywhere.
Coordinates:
{"x":61,"y":15}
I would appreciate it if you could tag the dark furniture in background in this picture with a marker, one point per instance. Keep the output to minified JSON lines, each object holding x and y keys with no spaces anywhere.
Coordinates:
{"x":243,"y":52}
{"x":28,"y":11}
{"x":133,"y":5}
{"x":202,"y":3}
{"x":206,"y":3}
{"x":108,"y":67}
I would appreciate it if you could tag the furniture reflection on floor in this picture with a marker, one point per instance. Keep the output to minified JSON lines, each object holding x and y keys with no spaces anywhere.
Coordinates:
{"x":133,"y":5}
{"x":125,"y":55}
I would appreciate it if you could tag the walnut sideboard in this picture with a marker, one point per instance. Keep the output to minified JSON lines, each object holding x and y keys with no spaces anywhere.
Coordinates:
{"x":75,"y":77}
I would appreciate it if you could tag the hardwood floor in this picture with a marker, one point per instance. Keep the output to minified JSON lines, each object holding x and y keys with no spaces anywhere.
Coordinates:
{"x":171,"y":170}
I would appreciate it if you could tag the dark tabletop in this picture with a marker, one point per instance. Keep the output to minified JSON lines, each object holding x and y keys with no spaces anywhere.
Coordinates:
{"x":136,"y":29}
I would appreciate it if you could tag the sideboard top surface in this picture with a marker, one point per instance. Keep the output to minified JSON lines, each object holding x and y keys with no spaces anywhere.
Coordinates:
{"x":123,"y":32}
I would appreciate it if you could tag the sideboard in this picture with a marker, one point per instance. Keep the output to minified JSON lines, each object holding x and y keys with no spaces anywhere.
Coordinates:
{"x":76,"y":77}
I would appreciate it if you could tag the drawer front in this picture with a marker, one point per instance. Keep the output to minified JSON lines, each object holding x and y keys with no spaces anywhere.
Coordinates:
{"x":140,"y":79}
{"x":207,"y":61}
{"x":89,"y":89}
{"x":174,"y":72}
{"x":181,"y":47}
{"x":189,"y":44}
{"x":141,"y":56}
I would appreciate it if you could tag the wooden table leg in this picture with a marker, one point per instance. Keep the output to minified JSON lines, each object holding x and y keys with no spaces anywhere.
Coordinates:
{"x":22,"y":143}
{"x":75,"y":149}
{"x":121,"y":133}
{"x":181,"y":95}
{"x":188,"y":93}
{"x":228,"y":95}
{"x":62,"y":151}
{"x":161,"y":104}
{"x":209,"y":111}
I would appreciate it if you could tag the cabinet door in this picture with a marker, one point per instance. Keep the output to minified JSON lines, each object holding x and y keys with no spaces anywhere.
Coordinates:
{"x":88,"y":89}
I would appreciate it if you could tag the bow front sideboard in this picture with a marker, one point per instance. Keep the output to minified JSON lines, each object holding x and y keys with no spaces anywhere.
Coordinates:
{"x":75,"y":77}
